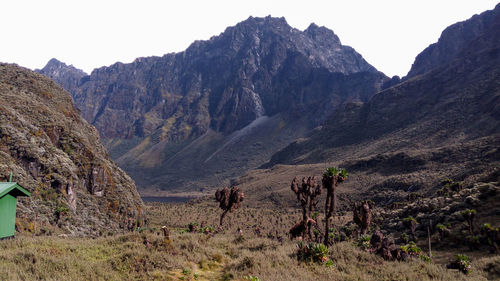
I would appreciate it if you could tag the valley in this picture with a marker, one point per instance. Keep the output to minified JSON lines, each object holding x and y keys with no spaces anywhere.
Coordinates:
{"x":325,"y":168}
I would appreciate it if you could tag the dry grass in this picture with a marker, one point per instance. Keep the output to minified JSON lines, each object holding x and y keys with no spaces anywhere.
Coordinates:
{"x":187,"y":256}
{"x":195,"y":256}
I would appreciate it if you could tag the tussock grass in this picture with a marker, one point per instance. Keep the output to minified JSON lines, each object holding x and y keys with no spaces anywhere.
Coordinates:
{"x":188,"y":256}
{"x":225,"y":255}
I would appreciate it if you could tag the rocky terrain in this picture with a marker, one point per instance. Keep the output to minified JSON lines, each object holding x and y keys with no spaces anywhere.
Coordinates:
{"x":68,"y":76}
{"x":445,"y":121}
{"x":223,"y":105}
{"x":422,"y":156}
{"x":55,"y":154}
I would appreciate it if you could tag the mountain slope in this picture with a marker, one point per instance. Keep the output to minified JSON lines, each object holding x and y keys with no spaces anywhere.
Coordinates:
{"x":444,"y":123}
{"x":223,"y":105}
{"x":55,"y":154}
{"x":454,"y":39}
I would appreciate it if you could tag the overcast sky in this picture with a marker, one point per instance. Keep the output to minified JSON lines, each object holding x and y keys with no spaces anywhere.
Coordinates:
{"x":90,"y":34}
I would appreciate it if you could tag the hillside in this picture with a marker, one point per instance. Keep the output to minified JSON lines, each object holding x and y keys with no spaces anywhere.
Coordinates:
{"x":197,"y":118}
{"x":55,"y":154}
{"x":443,"y":123}
{"x":453,"y":40}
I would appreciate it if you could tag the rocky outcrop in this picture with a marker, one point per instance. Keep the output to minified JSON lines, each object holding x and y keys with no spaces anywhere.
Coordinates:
{"x":222,"y":84}
{"x":68,"y":76}
{"x":223,"y":105}
{"x":55,"y":154}
{"x":454,"y":40}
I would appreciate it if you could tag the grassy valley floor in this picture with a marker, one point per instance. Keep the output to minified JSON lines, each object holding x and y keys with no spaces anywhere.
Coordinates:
{"x":259,"y":252}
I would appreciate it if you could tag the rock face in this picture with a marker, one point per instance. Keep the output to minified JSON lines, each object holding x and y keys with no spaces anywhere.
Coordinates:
{"x":454,"y":40}
{"x":68,"y":76}
{"x":55,"y":154}
{"x":222,"y":84}
{"x":453,"y":105}
{"x":223,"y":105}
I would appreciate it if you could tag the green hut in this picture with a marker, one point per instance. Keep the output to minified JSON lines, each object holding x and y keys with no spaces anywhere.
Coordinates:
{"x":9,"y":191}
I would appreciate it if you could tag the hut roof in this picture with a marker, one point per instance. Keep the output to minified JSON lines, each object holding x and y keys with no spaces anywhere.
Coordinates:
{"x":13,"y":189}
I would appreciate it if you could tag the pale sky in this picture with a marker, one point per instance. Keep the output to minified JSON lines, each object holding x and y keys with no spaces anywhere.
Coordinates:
{"x":94,"y":33}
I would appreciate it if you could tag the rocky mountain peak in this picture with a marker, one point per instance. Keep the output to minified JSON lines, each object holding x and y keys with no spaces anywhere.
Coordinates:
{"x":219,"y":93}
{"x":321,"y":33}
{"x":68,"y":76}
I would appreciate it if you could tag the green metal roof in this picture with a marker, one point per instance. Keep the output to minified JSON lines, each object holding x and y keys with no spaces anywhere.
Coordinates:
{"x":13,"y":189}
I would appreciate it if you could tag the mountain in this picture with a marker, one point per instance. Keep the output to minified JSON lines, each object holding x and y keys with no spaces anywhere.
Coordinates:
{"x":55,"y":154}
{"x":223,"y":105}
{"x":443,"y":123}
{"x":454,"y":40}
{"x":68,"y":76}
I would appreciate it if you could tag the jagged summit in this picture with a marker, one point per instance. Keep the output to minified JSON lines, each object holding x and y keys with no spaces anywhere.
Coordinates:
{"x":454,"y":100}
{"x":68,"y":76}
{"x":319,"y":44}
{"x":54,"y":64}
{"x":321,"y":33}
{"x":220,"y":100}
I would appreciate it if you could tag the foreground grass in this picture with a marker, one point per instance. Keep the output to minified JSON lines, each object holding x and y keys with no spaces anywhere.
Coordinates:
{"x":187,"y":256}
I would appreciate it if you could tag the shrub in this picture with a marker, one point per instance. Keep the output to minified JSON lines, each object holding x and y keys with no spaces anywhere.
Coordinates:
{"x":412,"y":249}
{"x":411,"y":223}
{"x":425,"y":258}
{"x":206,"y":230}
{"x":462,"y":263}
{"x":405,"y":238}
{"x":61,"y":211}
{"x":442,"y":230}
{"x":364,"y":241}
{"x":312,"y":252}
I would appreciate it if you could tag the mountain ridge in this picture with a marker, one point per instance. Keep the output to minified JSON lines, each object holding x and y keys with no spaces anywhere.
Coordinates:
{"x":452,"y":41}
{"x":456,"y":103}
{"x":155,"y":107}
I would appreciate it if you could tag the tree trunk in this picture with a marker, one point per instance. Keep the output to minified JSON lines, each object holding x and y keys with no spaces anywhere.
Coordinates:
{"x":329,"y":212}
{"x":429,"y":240}
{"x":222,"y":217}
{"x":309,"y":223}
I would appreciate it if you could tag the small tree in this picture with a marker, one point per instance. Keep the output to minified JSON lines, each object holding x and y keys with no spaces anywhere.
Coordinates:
{"x":331,"y":178}
{"x":469,"y":215}
{"x":411,"y":223}
{"x":362,"y":214}
{"x":306,"y":193}
{"x":442,"y":230}
{"x":492,"y":236}
{"x":229,"y":200}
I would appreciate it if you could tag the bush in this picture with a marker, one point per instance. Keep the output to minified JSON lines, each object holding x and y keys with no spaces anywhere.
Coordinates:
{"x":206,"y":230}
{"x":411,"y":249}
{"x":364,"y":241}
{"x":462,"y":263}
{"x":312,"y":252}
{"x":449,"y":187}
{"x":425,"y":258}
{"x":405,"y":238}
